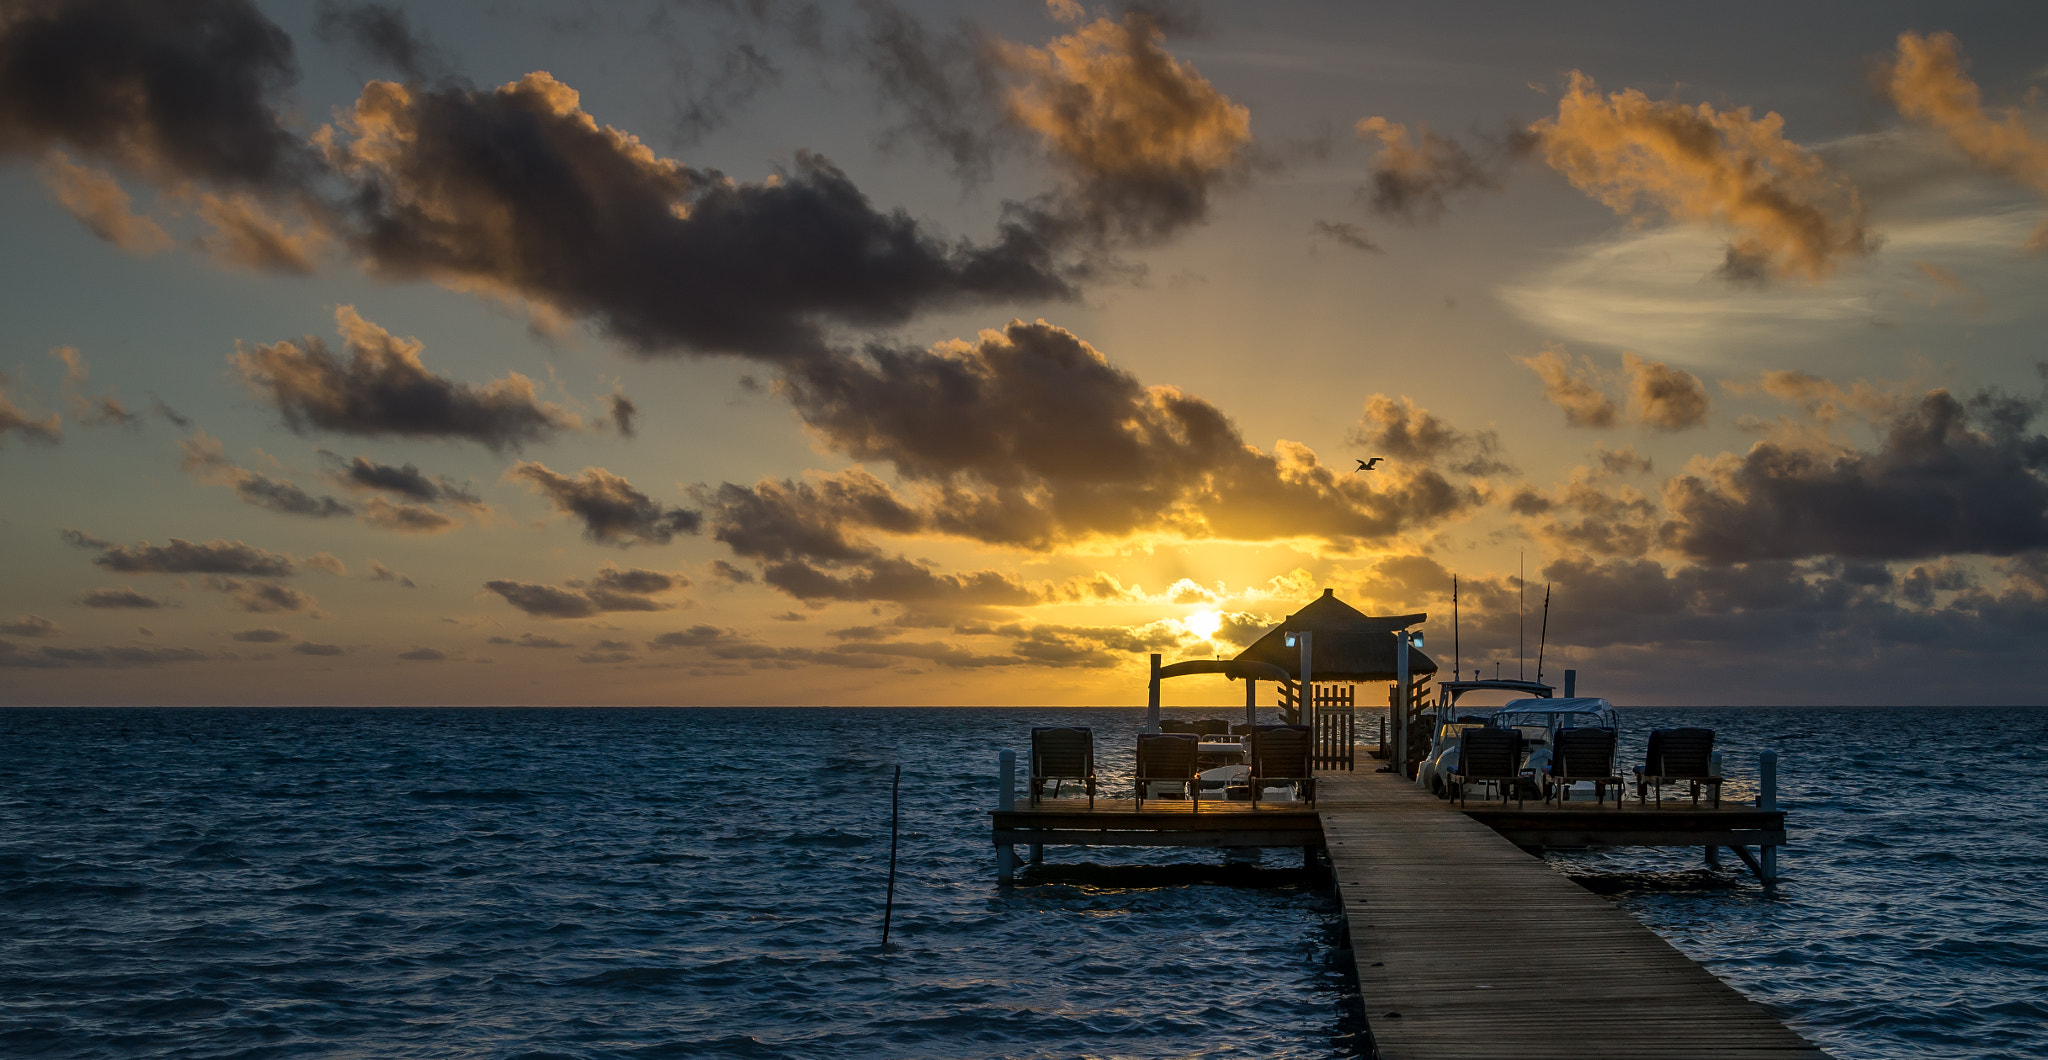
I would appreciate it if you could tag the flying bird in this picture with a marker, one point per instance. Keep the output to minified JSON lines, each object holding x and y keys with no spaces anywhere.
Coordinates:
{"x":1369,"y":465}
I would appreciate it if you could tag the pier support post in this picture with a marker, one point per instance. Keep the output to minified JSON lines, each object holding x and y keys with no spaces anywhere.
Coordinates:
{"x":1006,"y":799}
{"x":1713,"y":857}
{"x":1038,"y":853}
{"x":1152,"y":699}
{"x":1767,"y":799}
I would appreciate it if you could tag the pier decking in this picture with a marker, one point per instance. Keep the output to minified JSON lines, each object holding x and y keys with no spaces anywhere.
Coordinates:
{"x":1466,"y":946}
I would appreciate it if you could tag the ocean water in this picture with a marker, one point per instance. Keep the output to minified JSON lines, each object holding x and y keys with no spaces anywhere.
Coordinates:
{"x":692,"y":882}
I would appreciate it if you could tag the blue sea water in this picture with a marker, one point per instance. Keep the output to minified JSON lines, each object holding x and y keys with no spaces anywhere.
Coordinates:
{"x":694,"y":882}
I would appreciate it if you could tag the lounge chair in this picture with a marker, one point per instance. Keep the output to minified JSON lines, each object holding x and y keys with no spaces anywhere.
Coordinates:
{"x":1280,"y":753}
{"x":1192,"y":728}
{"x":1679,"y":756}
{"x":1062,"y":754}
{"x":1488,"y":756}
{"x":1582,"y":753}
{"x":1169,"y":758}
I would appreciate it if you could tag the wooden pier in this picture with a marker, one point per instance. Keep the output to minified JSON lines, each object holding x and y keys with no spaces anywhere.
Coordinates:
{"x":1466,"y":946}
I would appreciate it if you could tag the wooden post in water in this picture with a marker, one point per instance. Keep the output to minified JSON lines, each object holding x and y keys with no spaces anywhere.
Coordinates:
{"x":1767,"y":799}
{"x":889,"y":903}
{"x":1006,"y":799}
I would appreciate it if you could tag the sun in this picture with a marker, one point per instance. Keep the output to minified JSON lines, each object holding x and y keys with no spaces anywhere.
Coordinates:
{"x":1203,"y":624}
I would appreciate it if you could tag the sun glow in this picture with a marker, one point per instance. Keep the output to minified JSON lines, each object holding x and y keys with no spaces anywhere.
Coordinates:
{"x":1203,"y":624}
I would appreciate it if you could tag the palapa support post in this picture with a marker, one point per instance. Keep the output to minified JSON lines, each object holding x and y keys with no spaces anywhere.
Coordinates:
{"x":1251,"y":703}
{"x":1306,"y":705}
{"x":1152,"y":699}
{"x":1006,"y":800}
{"x":1401,"y":697}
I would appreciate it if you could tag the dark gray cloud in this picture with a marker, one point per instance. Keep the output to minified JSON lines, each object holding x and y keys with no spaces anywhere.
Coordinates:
{"x":945,"y":85}
{"x":381,"y":33}
{"x":622,"y":414}
{"x":31,"y":626}
{"x":405,"y":518}
{"x":517,"y":190}
{"x":172,"y":90}
{"x":1948,"y":477}
{"x":310,"y":648}
{"x":123,"y":597}
{"x":610,"y":589}
{"x":184,"y":557}
{"x":611,"y":510}
{"x":381,"y":573}
{"x":381,"y":389}
{"x":1031,"y":437}
{"x":1415,"y":174}
{"x":406,"y":481}
{"x":1347,"y":234}
{"x":51,"y":657}
{"x":423,"y":655}
{"x":532,"y":640}
{"x":261,"y":636}
{"x":261,"y":598}
{"x":205,"y":460}
{"x":1404,"y":432}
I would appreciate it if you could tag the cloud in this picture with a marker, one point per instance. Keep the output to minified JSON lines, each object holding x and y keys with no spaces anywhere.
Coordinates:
{"x":48,"y":429}
{"x":1403,"y":431}
{"x":405,"y":518}
{"x":172,"y":92}
{"x":1414,"y":173}
{"x":1948,"y":476}
{"x":611,"y":589}
{"x":1571,"y":388}
{"x":260,"y":636}
{"x":1142,"y":138}
{"x":88,"y":408}
{"x":122,"y":597}
{"x":1927,"y":83}
{"x":247,"y":235}
{"x":1658,"y":396}
{"x":622,"y":411}
{"x":381,"y":33}
{"x":308,"y":647}
{"x":1666,"y":398}
{"x":261,"y":597}
{"x":382,"y":389}
{"x":99,"y":202}
{"x":31,"y":626}
{"x":327,"y":562}
{"x":532,"y":640}
{"x":183,"y":557}
{"x":382,"y":573}
{"x":519,"y":192}
{"x":1789,"y":214}
{"x":611,"y":510}
{"x":1030,"y":437}
{"x":205,"y":460}
{"x":423,"y":655}
{"x":406,"y":481}
{"x":1347,"y":234}
{"x":112,"y":657}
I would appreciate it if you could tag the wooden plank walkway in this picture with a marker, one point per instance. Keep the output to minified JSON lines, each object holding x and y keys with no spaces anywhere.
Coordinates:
{"x":1469,"y":948}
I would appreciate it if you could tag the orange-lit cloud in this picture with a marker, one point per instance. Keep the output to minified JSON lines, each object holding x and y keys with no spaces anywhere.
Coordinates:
{"x":1926,"y":80}
{"x":1657,"y":395}
{"x":1787,"y":213}
{"x":1143,"y":136}
{"x":102,"y":205}
{"x":1414,"y":172}
{"x":1571,"y":387}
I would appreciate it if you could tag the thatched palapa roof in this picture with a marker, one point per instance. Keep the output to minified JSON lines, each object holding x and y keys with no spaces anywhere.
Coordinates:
{"x":1349,"y":645}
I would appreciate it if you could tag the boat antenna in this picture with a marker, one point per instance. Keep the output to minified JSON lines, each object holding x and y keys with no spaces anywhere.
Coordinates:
{"x":1457,"y":657}
{"x":1521,"y":616}
{"x":1543,"y":637}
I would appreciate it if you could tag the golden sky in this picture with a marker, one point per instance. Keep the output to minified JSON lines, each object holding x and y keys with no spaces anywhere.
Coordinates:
{"x":778,"y":353}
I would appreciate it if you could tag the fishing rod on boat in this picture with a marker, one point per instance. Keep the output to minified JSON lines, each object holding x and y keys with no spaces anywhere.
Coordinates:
{"x":1544,"y":636}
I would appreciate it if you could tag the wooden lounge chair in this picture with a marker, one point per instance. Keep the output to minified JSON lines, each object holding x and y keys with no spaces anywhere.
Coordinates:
{"x":1062,"y":754}
{"x":1488,"y":756}
{"x":1280,"y":753}
{"x":1583,"y":753}
{"x":1679,"y":756}
{"x":1168,"y":757}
